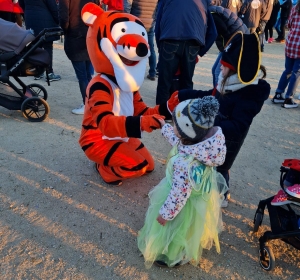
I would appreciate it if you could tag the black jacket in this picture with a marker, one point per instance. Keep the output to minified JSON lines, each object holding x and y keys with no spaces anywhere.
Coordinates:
{"x":236,"y":113}
{"x":74,"y":29}
{"x":39,"y":14}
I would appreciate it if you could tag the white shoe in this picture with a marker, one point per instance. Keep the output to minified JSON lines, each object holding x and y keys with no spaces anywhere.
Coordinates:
{"x":79,"y":110}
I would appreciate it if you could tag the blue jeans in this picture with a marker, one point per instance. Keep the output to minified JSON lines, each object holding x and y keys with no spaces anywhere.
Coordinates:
{"x":152,"y":58}
{"x":280,"y":28}
{"x":216,"y":69}
{"x":290,"y":76}
{"x":174,"y":54}
{"x":84,"y":71}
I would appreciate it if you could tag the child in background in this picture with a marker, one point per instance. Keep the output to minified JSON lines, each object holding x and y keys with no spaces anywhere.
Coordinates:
{"x":184,"y":214}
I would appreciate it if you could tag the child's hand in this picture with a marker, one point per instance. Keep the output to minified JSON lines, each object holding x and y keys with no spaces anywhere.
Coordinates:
{"x":161,"y":220}
{"x":162,"y":122}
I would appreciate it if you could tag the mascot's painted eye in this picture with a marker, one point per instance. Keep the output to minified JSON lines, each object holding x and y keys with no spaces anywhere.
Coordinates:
{"x":123,"y":30}
{"x":143,"y":33}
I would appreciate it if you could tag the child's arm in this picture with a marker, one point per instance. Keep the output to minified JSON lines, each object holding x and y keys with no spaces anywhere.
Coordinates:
{"x":168,"y":132}
{"x":180,"y":191}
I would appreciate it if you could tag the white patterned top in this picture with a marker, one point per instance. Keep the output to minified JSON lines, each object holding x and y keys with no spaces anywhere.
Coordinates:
{"x":210,"y":152}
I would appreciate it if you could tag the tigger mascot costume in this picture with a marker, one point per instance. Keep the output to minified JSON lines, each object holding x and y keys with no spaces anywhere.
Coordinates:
{"x":115,"y":115}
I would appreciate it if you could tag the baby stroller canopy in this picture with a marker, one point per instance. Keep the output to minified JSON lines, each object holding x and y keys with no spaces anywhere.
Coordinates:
{"x":13,"y":37}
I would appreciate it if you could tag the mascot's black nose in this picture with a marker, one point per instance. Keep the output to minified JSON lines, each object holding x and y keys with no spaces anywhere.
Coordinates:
{"x":141,"y":50}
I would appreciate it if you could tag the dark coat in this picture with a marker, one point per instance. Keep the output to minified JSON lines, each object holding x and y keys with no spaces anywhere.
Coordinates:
{"x":40,"y":14}
{"x":74,"y":29}
{"x":236,"y":113}
{"x":227,"y":23}
{"x":181,"y":20}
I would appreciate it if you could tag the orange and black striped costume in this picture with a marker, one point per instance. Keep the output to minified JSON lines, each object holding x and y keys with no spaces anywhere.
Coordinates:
{"x":115,"y":114}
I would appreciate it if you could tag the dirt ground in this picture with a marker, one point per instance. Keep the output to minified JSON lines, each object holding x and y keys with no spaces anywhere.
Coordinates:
{"x":59,"y":220}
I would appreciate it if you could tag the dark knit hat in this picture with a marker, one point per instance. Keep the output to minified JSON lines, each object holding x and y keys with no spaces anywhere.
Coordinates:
{"x":193,"y":117}
{"x":242,"y":54}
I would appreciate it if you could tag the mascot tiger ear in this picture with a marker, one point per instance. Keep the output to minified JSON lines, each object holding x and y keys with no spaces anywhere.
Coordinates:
{"x":90,"y":12}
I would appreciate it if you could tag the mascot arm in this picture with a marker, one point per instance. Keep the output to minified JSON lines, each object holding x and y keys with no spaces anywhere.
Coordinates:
{"x":141,"y":109}
{"x":100,"y":102}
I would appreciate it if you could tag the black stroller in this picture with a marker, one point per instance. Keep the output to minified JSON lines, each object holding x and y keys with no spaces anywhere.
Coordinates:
{"x":21,"y":55}
{"x":284,"y":219}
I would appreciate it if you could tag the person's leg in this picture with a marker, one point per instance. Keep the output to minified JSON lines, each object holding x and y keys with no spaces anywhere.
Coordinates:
{"x":267,"y":33}
{"x":294,"y":79}
{"x":80,"y":68}
{"x":167,"y":67}
{"x":216,"y":69}
{"x":152,"y":58}
{"x":285,"y":76}
{"x":89,"y":70}
{"x":188,"y":63}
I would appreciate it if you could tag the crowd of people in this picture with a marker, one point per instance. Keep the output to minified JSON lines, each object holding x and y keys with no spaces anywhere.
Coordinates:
{"x":209,"y":127}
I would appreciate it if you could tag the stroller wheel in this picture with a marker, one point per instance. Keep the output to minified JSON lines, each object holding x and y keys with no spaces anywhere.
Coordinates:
{"x":35,"y":109}
{"x":37,"y":90}
{"x":257,"y":221}
{"x":267,"y":259}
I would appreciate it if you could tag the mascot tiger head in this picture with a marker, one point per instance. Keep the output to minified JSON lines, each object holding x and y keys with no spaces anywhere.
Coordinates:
{"x":117,"y":44}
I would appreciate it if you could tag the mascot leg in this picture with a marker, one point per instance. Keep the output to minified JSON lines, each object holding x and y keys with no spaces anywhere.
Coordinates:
{"x":118,"y":160}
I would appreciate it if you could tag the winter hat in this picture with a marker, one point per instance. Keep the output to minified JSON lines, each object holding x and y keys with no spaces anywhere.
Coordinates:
{"x":242,"y":54}
{"x":193,"y":117}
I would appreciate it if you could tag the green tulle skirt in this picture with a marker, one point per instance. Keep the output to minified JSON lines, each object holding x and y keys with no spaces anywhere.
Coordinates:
{"x":195,"y":228}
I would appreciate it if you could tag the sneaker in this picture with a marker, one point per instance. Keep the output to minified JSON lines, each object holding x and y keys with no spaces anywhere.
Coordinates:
{"x":150,"y":78}
{"x":224,"y":203}
{"x":293,"y":190}
{"x":79,"y":110}
{"x":53,"y":77}
{"x":280,"y":198}
{"x":278,"y":40}
{"x":278,"y":98}
{"x":289,"y":103}
{"x":39,"y":77}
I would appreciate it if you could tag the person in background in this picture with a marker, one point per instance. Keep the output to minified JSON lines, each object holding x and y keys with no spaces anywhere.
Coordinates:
{"x":180,"y":31}
{"x":285,"y":9}
{"x":271,"y":22}
{"x":233,"y":5}
{"x":263,"y":22}
{"x":251,"y":13}
{"x":38,"y":16}
{"x":146,"y":11}
{"x":291,"y":75}
{"x":75,"y":32}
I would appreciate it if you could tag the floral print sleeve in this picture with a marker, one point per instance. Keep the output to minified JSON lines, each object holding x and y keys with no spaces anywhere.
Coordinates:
{"x":168,"y":132}
{"x":180,"y":191}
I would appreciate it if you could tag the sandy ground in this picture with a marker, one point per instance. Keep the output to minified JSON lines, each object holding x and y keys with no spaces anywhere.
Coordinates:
{"x":59,"y":220}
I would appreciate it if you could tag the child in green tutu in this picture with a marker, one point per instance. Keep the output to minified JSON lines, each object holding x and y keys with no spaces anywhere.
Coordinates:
{"x":184,"y":215}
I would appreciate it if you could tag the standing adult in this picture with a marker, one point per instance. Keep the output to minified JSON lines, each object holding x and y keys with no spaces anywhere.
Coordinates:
{"x":263,"y":21}
{"x":75,"y":32}
{"x":251,"y":12}
{"x":38,"y":16}
{"x":233,"y":5}
{"x":180,"y":33}
{"x":291,"y":74}
{"x":285,"y":9}
{"x":146,"y":11}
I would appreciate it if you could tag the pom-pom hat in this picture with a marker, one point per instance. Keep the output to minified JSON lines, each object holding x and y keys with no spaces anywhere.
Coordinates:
{"x":242,"y":54}
{"x":193,"y":117}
